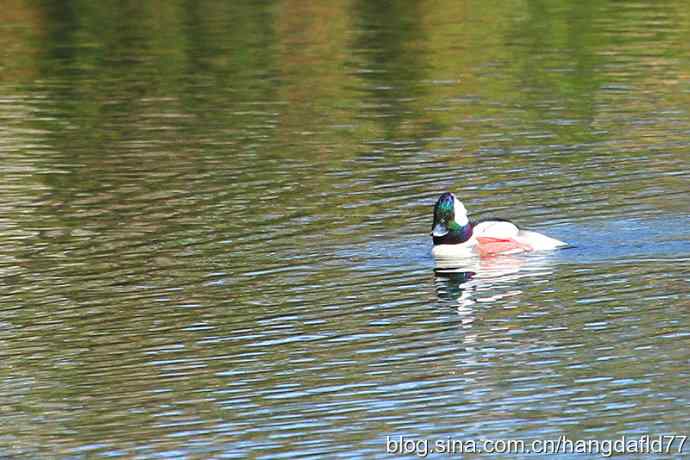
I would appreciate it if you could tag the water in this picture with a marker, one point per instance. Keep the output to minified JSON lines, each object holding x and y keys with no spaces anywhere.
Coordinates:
{"x":214,"y":225}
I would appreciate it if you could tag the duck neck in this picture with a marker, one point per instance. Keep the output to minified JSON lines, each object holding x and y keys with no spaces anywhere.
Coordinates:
{"x":457,"y":235}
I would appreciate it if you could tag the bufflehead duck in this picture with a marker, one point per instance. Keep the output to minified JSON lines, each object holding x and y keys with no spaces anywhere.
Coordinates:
{"x":456,"y":236}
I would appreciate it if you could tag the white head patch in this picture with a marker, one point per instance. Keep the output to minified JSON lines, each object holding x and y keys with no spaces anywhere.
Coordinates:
{"x":460,"y":212}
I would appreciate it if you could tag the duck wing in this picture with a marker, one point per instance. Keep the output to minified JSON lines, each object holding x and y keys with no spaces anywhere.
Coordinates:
{"x":498,"y":236}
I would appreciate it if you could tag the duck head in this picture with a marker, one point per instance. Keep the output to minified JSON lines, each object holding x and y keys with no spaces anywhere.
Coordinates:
{"x":450,"y":215}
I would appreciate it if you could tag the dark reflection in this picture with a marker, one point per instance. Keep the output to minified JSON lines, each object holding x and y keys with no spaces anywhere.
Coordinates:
{"x":175,"y":74}
{"x":572,"y":56}
{"x":391,"y":43}
{"x":489,"y":279}
{"x":556,"y":55}
{"x":449,"y":284}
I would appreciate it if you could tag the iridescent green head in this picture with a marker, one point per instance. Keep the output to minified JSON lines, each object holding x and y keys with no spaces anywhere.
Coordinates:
{"x":449,"y":215}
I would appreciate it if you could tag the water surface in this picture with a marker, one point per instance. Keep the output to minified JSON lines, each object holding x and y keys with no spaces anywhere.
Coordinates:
{"x":214,"y":225}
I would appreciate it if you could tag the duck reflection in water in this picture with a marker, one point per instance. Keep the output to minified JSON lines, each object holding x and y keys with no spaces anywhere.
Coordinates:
{"x":487,"y":279}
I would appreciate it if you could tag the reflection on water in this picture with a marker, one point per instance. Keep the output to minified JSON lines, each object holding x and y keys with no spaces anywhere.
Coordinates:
{"x":214,"y":225}
{"x":478,"y":275}
{"x":488,"y":280}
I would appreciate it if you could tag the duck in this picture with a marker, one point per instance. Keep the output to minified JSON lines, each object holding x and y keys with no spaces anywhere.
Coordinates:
{"x":456,"y":236}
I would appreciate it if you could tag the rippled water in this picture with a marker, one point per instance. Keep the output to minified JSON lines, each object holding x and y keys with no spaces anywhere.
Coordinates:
{"x":214,"y":225}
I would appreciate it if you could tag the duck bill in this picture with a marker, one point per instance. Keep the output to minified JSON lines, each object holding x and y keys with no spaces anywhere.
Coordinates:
{"x":440,"y":229}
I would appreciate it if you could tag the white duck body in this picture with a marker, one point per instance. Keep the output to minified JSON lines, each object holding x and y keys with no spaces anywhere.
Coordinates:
{"x":504,"y":230}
